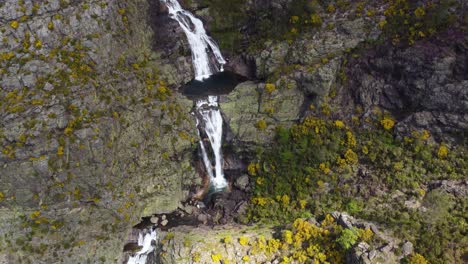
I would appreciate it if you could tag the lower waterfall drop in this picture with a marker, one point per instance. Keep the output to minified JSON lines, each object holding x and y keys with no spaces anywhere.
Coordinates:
{"x":210,"y":121}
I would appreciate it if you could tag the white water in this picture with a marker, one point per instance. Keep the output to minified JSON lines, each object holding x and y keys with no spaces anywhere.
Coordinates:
{"x":208,"y":114}
{"x":209,"y":117}
{"x":208,"y":111}
{"x":145,"y":240}
{"x":200,"y":43}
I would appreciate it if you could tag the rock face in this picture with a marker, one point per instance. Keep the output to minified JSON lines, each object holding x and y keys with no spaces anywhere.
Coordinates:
{"x":92,"y":137}
{"x":425,"y":86}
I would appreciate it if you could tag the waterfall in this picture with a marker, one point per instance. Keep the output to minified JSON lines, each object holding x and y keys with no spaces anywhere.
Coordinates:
{"x":145,"y":240}
{"x":208,"y":114}
{"x":200,"y":43}
{"x":207,"y":60}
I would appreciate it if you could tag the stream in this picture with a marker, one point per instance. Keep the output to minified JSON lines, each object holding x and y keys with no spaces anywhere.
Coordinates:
{"x":207,"y":61}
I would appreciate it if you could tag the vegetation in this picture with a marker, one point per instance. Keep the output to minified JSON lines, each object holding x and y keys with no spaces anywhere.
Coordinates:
{"x":408,"y":21}
{"x":322,"y":165}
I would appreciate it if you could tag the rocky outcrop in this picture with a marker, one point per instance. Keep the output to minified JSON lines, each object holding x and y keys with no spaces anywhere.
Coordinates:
{"x":252,"y":112}
{"x":202,"y":244}
{"x":314,"y":59}
{"x":424,"y":86}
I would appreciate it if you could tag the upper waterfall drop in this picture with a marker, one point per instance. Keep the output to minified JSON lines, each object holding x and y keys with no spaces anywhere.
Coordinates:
{"x":200,"y":43}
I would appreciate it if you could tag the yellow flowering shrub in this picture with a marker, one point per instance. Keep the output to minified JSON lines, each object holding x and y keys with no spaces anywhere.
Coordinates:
{"x":227,"y":239}
{"x":270,"y":87}
{"x":419,"y":12}
{"x":387,"y":123}
{"x":339,"y":124}
{"x":366,"y":234}
{"x":14,"y":24}
{"x":60,"y":151}
{"x":216,"y":257}
{"x":288,"y":237}
{"x":350,"y":139}
{"x":252,"y":168}
{"x":324,"y":168}
{"x":442,"y":152}
{"x":351,"y":157}
{"x":243,"y":240}
{"x":261,"y":124}
{"x":417,"y":259}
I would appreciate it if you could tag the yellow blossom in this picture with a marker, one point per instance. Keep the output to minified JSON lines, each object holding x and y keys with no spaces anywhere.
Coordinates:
{"x":252,"y":169}
{"x":270,"y":87}
{"x":243,"y":240}
{"x":417,"y":259}
{"x":302,"y":203}
{"x":442,"y":153}
{"x":324,"y":168}
{"x":14,"y":24}
{"x":351,"y":157}
{"x":419,"y":12}
{"x":227,"y":239}
{"x":261,"y":124}
{"x":216,"y":257}
{"x":425,"y":135}
{"x":260,"y":180}
{"x":60,"y":151}
{"x":387,"y":123}
{"x":339,"y":124}
{"x":288,"y":237}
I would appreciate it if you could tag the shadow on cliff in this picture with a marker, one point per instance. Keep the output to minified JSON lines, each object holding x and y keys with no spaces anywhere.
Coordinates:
{"x":168,"y":39}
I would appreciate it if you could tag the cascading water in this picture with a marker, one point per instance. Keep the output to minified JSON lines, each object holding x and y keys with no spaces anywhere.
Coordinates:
{"x":200,"y":43}
{"x":209,"y":119}
{"x":208,"y":112}
{"x":145,"y":240}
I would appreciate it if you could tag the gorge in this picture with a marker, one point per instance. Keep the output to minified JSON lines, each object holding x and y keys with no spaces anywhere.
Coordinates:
{"x":213,"y":131}
{"x":207,"y":112}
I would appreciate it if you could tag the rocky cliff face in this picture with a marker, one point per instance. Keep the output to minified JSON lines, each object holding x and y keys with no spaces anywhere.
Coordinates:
{"x":92,"y":137}
{"x":424,"y":86}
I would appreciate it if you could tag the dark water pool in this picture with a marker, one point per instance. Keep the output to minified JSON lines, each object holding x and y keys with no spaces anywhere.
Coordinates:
{"x":217,"y":84}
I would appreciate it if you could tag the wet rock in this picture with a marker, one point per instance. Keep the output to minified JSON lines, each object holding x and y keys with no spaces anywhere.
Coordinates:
{"x":154,"y":220}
